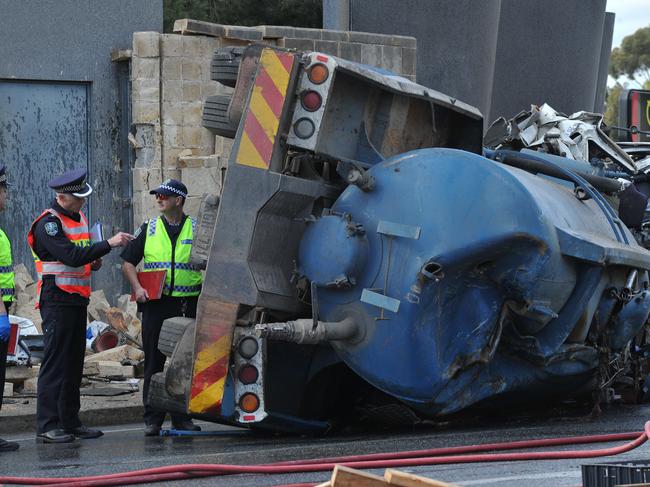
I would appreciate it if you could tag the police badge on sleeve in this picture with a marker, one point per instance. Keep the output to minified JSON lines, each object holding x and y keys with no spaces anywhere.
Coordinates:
{"x":51,"y":229}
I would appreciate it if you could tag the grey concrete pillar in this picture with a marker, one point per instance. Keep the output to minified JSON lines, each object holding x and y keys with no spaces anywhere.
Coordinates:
{"x":547,"y":52}
{"x":457,"y":41}
{"x":336,"y":14}
{"x":603,"y":65}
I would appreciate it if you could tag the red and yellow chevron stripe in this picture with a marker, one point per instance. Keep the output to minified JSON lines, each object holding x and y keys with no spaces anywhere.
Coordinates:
{"x":265,"y":108}
{"x":214,"y":328}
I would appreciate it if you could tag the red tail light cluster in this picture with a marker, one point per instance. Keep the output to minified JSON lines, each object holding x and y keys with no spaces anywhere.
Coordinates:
{"x":311,"y":100}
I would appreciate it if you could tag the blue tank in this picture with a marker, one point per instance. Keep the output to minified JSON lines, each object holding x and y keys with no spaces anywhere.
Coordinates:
{"x":471,"y":280}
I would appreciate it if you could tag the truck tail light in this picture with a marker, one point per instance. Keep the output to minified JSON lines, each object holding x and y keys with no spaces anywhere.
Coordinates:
{"x":318,"y":74}
{"x":248,"y":374}
{"x":248,"y":347}
{"x":304,"y":128}
{"x":311,"y":101}
{"x":249,"y":402}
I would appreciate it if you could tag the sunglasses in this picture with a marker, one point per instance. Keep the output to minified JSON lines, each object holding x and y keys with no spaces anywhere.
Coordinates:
{"x":162,"y":197}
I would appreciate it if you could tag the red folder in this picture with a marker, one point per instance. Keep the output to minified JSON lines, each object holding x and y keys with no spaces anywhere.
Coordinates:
{"x":153,"y":282}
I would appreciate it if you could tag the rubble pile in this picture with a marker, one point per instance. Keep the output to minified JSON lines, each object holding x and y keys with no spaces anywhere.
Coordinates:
{"x":115,"y":367}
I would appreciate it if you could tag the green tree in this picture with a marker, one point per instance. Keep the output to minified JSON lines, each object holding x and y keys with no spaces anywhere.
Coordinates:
{"x":297,"y":13}
{"x":611,"y":104}
{"x":632,"y":59}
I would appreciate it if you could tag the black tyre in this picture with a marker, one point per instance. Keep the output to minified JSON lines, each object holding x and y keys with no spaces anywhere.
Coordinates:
{"x":225,"y":65}
{"x":159,"y":399}
{"x":171,"y":332}
{"x":216,"y":116}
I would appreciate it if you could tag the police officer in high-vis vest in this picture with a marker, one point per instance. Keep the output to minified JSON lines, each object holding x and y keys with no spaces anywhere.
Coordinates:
{"x":7,"y":292}
{"x":64,"y":257}
{"x":165,"y":244}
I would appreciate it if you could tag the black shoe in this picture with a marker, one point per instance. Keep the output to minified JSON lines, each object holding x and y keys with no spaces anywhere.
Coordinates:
{"x":186,"y":426}
{"x":54,"y":436}
{"x":84,"y":433}
{"x":8,"y":445}
{"x":152,"y":430}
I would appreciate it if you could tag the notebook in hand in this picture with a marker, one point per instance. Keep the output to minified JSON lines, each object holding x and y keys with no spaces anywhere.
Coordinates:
{"x":153,"y":282}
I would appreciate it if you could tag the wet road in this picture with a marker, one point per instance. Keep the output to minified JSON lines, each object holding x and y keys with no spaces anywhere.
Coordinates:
{"x":124,"y":448}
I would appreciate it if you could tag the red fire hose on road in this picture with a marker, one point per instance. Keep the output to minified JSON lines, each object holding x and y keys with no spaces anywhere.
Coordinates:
{"x":436,"y":456}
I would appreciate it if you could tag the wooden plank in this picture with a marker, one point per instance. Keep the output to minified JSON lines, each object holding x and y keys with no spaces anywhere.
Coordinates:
{"x":403,"y":479}
{"x":324,"y":484}
{"x":189,"y":26}
{"x":348,"y":477}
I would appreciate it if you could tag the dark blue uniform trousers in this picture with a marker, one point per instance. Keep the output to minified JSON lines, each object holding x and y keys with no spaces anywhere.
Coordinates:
{"x":64,"y":338}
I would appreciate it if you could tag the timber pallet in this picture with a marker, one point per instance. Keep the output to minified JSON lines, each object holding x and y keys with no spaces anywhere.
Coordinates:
{"x":348,"y":477}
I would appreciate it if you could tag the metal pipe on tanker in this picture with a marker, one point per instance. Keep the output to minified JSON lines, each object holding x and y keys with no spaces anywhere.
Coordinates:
{"x":303,"y":331}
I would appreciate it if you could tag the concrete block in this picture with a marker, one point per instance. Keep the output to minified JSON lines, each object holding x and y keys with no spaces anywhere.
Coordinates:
{"x":8,"y":389}
{"x":31,"y":385}
{"x":170,"y":156}
{"x":115,"y":369}
{"x":192,"y":113}
{"x":191,"y":47}
{"x":172,"y":112}
{"x":335,"y":35}
{"x":201,"y":180}
{"x":207,"y":140}
{"x":276,"y":31}
{"x":371,"y":54}
{"x":145,"y":112}
{"x":190,"y":70}
{"x":172,"y":91}
{"x":171,"y":45}
{"x":327,"y":47}
{"x":145,"y":90}
{"x":299,"y":44}
{"x":185,"y":162}
{"x":306,"y":33}
{"x":402,"y":41}
{"x":143,"y":67}
{"x":208,"y":45}
{"x":171,"y":68}
{"x":172,"y":173}
{"x":172,"y":136}
{"x":409,"y":61}
{"x":141,"y":179}
{"x":192,"y":137}
{"x":391,"y":58}
{"x":19,"y":373}
{"x":246,"y":33}
{"x":192,"y":90}
{"x":192,"y":204}
{"x":189,"y":26}
{"x":369,"y":38}
{"x":350,"y":51}
{"x":116,"y":354}
{"x":146,"y":44}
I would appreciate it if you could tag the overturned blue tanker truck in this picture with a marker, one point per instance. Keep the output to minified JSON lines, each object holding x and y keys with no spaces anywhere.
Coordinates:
{"x":371,"y":256}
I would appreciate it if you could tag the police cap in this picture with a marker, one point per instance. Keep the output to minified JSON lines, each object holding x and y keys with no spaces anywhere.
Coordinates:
{"x":171,"y":187}
{"x":72,"y":182}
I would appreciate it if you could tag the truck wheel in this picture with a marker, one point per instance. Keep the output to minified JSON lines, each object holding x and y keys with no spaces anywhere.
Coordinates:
{"x":171,"y":332}
{"x":216,"y":116}
{"x":225,"y":65}
{"x":160,"y":399}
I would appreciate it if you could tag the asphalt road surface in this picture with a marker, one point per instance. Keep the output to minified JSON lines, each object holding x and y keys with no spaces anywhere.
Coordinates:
{"x":125,"y":448}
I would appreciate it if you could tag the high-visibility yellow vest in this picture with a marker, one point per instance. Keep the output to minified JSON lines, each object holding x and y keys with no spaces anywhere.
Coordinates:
{"x":6,"y":268}
{"x":158,"y":256}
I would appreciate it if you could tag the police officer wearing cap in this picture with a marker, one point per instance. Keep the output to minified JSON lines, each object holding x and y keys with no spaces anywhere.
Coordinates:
{"x":7,"y":292}
{"x":64,"y":257}
{"x":165,"y":244}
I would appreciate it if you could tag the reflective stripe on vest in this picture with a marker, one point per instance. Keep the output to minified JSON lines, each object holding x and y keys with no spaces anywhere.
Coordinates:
{"x":158,"y":256}
{"x":73,"y":280}
{"x":6,"y":269}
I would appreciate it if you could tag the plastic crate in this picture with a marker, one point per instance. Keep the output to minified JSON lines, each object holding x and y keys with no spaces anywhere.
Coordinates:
{"x":616,"y":473}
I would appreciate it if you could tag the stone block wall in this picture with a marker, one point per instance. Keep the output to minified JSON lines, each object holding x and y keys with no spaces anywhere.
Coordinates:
{"x":170,"y":75}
